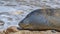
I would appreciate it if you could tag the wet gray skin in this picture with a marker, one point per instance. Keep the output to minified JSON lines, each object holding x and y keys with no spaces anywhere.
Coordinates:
{"x":42,"y":19}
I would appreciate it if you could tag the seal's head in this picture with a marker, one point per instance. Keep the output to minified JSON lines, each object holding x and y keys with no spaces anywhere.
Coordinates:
{"x":26,"y":22}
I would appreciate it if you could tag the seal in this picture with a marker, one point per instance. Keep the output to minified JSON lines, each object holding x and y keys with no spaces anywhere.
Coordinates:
{"x":42,"y":19}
